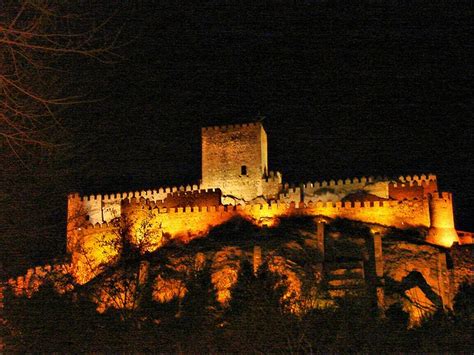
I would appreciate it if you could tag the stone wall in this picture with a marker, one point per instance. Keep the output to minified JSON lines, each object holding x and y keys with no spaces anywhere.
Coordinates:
{"x":29,"y":283}
{"x":92,"y":248}
{"x":332,"y":191}
{"x":400,"y":214}
{"x":104,"y":208}
{"x":401,"y":191}
{"x":151,"y":226}
{"x":404,"y":187}
{"x":200,"y":198}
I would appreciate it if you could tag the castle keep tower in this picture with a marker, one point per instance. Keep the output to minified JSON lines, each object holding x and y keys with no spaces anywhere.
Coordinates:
{"x":234,"y":159}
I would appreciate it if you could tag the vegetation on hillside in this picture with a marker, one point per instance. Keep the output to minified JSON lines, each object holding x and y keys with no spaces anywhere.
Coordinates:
{"x":256,"y":317}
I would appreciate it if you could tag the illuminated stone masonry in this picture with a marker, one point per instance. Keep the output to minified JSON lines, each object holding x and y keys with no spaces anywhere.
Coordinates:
{"x":236,"y":182}
{"x":235,"y":173}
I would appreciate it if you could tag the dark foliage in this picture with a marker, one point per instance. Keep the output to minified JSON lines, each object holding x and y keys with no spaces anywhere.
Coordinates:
{"x":350,"y":228}
{"x":410,"y":234}
{"x":296,"y":222}
{"x":254,"y":322}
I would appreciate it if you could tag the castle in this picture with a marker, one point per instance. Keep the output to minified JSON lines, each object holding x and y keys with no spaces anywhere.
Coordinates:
{"x":237,"y":185}
{"x":236,"y":181}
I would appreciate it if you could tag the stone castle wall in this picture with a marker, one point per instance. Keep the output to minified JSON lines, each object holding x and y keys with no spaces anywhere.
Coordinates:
{"x":104,"y":208}
{"x":400,"y":214}
{"x":405,"y":187}
{"x":333,"y":190}
{"x":151,"y":226}
{"x":200,"y":198}
{"x":235,"y":161}
{"x":411,"y":187}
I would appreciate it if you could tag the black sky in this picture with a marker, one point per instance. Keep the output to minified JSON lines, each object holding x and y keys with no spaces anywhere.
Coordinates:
{"x":375,"y":89}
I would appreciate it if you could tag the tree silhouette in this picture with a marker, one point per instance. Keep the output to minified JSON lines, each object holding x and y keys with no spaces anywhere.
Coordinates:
{"x":35,"y":36}
{"x":40,"y":41}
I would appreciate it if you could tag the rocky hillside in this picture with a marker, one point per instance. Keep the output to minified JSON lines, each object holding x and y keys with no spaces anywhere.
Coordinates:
{"x":240,"y":274}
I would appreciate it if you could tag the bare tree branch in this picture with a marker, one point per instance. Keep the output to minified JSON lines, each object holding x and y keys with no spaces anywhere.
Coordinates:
{"x":34,"y":35}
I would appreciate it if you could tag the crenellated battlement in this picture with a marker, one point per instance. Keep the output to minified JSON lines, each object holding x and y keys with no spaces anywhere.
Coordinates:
{"x":30,"y":282}
{"x":290,"y":189}
{"x":194,"y":192}
{"x":231,"y":126}
{"x":153,"y":205}
{"x":287,"y":199}
{"x":150,"y":194}
{"x":364,"y":204}
{"x":422,"y":179}
{"x":173,"y":192}
{"x":235,"y":170}
{"x":97,"y":226}
{"x":340,"y":182}
{"x":273,"y":176}
{"x":73,"y":196}
{"x":289,"y":193}
{"x":413,"y":183}
{"x":446,"y":196}
{"x":412,"y":187}
{"x":411,"y":180}
{"x":142,"y":203}
{"x":337,"y":190}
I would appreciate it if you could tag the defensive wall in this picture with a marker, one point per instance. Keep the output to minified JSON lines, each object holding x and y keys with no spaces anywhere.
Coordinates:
{"x":289,"y":194}
{"x":400,"y":214}
{"x":411,"y":187}
{"x":429,"y":182}
{"x":150,"y":226}
{"x":272,"y":185}
{"x":333,"y":190}
{"x":404,"y":187}
{"x":104,"y":208}
{"x":189,"y":220}
{"x":29,"y":283}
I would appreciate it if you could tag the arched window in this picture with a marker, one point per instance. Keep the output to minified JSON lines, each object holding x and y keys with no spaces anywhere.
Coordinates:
{"x":243,"y":170}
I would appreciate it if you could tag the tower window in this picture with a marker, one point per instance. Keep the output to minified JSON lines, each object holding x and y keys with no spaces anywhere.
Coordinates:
{"x":243,"y":170}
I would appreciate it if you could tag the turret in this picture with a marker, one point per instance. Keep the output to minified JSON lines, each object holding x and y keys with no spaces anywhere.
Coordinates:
{"x":76,"y":218}
{"x":235,"y":160}
{"x":442,"y":231}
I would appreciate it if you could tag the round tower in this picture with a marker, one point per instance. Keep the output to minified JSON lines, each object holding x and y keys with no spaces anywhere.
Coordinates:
{"x":442,"y":231}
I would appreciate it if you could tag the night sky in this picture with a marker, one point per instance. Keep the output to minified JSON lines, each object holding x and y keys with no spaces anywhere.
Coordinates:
{"x":345,"y":91}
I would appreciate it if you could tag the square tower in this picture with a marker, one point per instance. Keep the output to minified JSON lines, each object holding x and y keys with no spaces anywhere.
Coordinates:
{"x":234,"y":159}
